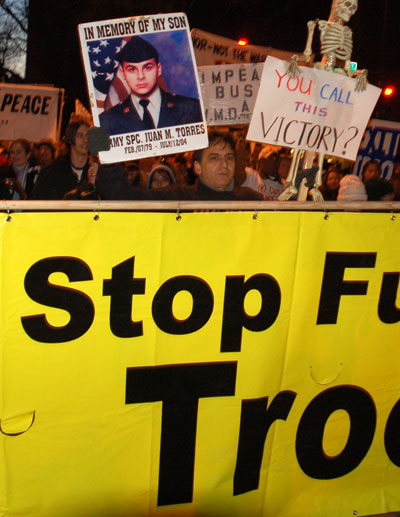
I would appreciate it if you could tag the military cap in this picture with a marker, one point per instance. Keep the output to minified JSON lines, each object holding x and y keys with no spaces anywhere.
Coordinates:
{"x":137,"y":50}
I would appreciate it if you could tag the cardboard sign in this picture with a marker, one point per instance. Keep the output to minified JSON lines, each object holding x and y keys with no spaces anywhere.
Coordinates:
{"x":318,"y":111}
{"x":143,"y":85}
{"x":229,"y":92}
{"x":28,"y":111}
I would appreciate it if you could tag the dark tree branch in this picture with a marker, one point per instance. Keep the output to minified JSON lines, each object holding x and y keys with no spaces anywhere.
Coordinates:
{"x":7,"y":9}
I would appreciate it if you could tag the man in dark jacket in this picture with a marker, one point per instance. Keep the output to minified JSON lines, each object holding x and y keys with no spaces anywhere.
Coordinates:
{"x":147,"y":106}
{"x":214,"y":166}
{"x":67,"y":172}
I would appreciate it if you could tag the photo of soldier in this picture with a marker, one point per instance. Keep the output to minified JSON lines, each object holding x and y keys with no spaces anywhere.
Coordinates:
{"x":147,"y":106}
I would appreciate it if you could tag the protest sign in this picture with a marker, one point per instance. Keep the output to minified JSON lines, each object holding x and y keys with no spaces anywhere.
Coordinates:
{"x":143,"y":85}
{"x":318,"y":111}
{"x":380,"y":142}
{"x":229,"y":92}
{"x":269,"y":189}
{"x":28,"y":111}
{"x":211,"y":49}
{"x":155,"y":366}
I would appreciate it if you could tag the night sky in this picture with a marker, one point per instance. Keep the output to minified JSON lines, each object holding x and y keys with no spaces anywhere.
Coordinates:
{"x":54,"y":55}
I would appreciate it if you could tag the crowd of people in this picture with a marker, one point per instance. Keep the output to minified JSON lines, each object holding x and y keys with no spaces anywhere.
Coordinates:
{"x":230,"y":168}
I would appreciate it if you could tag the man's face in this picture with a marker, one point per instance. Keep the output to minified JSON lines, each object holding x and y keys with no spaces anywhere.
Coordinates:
{"x":372,"y":171}
{"x":284,"y":167}
{"x":45,"y":156}
{"x":80,"y":144}
{"x":217,"y":165}
{"x":142,"y":77}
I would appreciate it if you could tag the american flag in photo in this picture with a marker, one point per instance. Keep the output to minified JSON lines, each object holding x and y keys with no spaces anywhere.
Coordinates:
{"x":110,"y":86}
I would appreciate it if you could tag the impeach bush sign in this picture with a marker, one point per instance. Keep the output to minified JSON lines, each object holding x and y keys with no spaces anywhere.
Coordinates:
{"x":229,"y":92}
{"x":317,"y":111}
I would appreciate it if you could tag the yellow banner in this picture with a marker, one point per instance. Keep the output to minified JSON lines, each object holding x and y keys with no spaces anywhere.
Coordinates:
{"x":221,"y":364}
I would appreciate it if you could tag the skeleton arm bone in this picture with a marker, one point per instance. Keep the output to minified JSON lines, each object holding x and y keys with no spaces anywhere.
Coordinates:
{"x":311,"y":28}
{"x":315,"y":192}
{"x":293,"y":70}
{"x":291,"y":189}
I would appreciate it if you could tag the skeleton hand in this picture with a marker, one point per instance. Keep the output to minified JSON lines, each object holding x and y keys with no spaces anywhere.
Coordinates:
{"x":293,"y":71}
{"x":288,"y":193}
{"x":361,"y":81}
{"x":316,"y":194}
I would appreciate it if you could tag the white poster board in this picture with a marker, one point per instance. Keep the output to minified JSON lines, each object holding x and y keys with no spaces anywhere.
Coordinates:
{"x":211,"y":49}
{"x":318,"y":111}
{"x":229,"y":92}
{"x":120,"y":74}
{"x":28,"y":111}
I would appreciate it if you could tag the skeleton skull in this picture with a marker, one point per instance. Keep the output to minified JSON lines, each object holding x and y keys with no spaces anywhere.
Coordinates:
{"x":344,"y":9}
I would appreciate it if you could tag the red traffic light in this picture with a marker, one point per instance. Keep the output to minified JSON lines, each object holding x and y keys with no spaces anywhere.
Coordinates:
{"x":389,"y":91}
{"x":243,"y":42}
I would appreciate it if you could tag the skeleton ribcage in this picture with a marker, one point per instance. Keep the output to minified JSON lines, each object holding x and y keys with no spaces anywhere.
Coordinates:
{"x":337,"y":39}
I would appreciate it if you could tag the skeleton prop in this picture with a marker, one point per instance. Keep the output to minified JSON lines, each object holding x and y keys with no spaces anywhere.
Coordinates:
{"x":336,"y":44}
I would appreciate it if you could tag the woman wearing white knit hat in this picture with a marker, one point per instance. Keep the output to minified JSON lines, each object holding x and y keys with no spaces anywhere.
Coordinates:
{"x":351,"y":188}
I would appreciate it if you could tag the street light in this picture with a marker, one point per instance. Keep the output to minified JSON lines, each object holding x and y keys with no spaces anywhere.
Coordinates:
{"x":389,"y":91}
